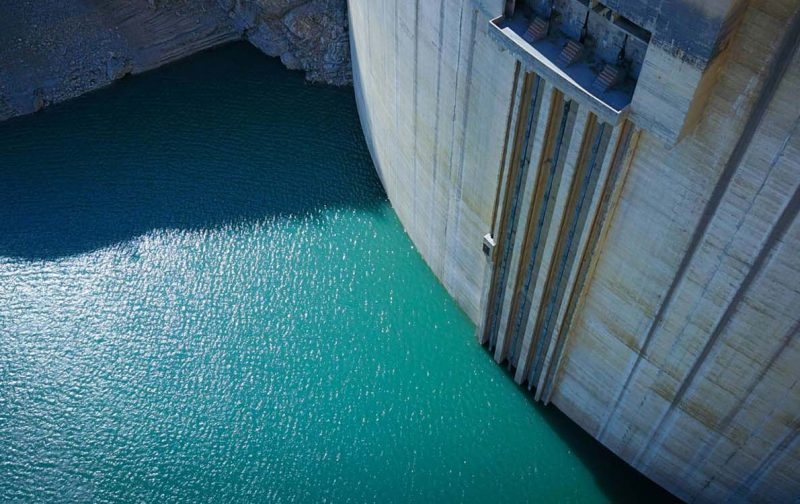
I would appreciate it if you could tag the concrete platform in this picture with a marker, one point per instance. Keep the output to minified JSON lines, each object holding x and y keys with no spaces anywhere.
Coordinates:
{"x":575,"y":80}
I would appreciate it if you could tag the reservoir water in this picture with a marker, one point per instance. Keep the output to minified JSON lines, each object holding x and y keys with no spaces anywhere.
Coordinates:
{"x":205,"y":296}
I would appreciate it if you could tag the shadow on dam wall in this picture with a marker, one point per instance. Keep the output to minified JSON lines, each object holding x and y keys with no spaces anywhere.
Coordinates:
{"x":618,"y":481}
{"x":224,"y":139}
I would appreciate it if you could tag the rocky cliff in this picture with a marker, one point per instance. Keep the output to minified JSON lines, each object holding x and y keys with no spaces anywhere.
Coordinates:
{"x":53,"y":50}
{"x":308,"y":35}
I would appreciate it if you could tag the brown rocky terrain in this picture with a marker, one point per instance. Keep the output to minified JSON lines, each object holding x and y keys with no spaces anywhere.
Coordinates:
{"x":54,"y":50}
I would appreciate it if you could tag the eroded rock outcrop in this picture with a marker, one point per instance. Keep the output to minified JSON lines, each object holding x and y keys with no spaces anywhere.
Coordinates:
{"x":309,"y":35}
{"x":53,"y":50}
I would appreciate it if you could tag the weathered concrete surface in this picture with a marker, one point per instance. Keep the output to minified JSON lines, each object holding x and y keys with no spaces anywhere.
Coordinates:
{"x":675,"y":339}
{"x":434,"y":96}
{"x":53,"y":50}
{"x":690,"y":322}
{"x":693,"y":29}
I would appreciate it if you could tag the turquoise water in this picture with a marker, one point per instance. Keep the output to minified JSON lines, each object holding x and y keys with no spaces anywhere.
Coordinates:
{"x":206,"y":297}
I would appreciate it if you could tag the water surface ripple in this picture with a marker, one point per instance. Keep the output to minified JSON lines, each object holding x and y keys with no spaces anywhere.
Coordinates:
{"x":206,"y":297}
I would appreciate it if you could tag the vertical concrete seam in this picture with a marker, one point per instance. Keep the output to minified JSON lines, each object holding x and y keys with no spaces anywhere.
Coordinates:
{"x":396,"y":85}
{"x":435,"y":167}
{"x":785,"y":446}
{"x":452,"y":199}
{"x":512,"y":203}
{"x":464,"y":127}
{"x":588,"y":257}
{"x":504,"y":176}
{"x":527,"y":251}
{"x":467,"y":97}
{"x":509,"y":119}
{"x":725,"y":251}
{"x":775,"y":70}
{"x":559,"y":145}
{"x":657,"y":435}
{"x":534,"y":259}
{"x":742,"y":404}
{"x":521,"y":248}
{"x":533,"y":228}
{"x":709,"y":446}
{"x":415,"y":83}
{"x":549,"y":114}
{"x":573,"y":232}
{"x":557,"y":216}
{"x":523,"y":220}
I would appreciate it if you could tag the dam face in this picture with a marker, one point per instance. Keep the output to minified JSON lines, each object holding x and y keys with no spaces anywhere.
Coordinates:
{"x":610,"y":190}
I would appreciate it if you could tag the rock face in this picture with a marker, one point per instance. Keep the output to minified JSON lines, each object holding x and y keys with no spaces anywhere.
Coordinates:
{"x":53,"y":50}
{"x":310,"y":35}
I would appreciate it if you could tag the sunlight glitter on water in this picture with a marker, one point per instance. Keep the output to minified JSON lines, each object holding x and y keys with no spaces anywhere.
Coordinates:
{"x":205,"y":296}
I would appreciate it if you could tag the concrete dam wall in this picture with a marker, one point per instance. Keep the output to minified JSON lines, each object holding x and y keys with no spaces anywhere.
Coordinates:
{"x":611,"y":192}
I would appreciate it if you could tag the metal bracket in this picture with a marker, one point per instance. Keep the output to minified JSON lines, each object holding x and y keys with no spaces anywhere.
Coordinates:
{"x":488,"y":245}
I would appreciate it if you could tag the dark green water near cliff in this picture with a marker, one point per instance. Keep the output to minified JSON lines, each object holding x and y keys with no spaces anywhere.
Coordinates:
{"x":206,"y":297}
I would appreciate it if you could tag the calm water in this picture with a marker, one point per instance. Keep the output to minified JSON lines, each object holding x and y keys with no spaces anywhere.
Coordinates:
{"x":205,"y":296}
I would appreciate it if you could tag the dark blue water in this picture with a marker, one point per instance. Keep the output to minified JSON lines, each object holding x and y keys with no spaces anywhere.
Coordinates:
{"x":206,"y":297}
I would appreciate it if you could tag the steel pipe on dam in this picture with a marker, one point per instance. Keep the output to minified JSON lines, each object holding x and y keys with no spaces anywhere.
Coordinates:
{"x":611,"y":192}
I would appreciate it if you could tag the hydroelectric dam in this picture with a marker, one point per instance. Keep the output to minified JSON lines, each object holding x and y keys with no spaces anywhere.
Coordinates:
{"x":611,"y":192}
{"x":608,"y":189}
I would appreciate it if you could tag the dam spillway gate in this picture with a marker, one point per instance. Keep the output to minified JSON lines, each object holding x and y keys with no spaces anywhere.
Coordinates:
{"x":557,"y":184}
{"x":567,"y":143}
